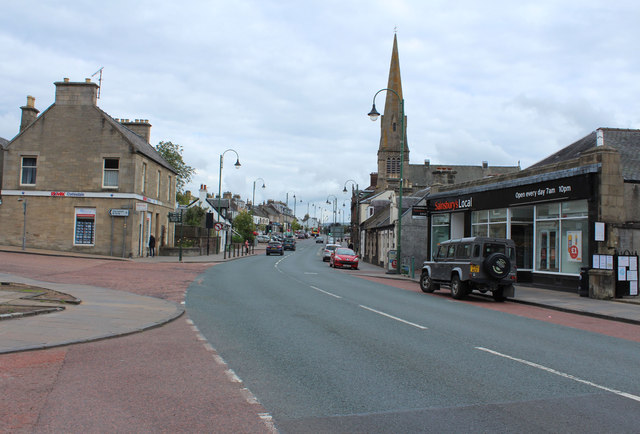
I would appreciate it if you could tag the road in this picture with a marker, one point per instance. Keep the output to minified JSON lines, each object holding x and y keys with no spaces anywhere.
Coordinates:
{"x":324,"y":350}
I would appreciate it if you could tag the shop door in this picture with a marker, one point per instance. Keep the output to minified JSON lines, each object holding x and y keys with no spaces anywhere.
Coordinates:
{"x":547,"y":250}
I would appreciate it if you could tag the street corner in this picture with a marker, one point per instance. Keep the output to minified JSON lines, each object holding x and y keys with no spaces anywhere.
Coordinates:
{"x":19,"y":300}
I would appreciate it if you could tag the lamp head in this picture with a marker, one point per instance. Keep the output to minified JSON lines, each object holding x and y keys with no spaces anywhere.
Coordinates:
{"x":344,"y":190}
{"x":373,"y":114}
{"x":237,"y":165}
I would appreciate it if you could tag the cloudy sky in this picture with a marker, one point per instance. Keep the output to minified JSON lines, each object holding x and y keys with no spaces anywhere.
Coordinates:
{"x":287,"y":83}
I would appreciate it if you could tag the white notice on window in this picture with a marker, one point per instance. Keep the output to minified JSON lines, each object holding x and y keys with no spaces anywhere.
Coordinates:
{"x":633,"y":287}
{"x":596,"y":261}
{"x":622,"y":274}
{"x":623,"y":261}
{"x":609,"y":262}
{"x":633,"y":263}
{"x":632,"y":275}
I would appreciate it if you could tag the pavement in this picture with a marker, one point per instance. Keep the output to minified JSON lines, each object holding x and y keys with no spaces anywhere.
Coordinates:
{"x":105,"y":313}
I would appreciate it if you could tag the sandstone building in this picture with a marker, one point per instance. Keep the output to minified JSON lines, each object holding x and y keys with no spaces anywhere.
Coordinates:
{"x":76,"y":179}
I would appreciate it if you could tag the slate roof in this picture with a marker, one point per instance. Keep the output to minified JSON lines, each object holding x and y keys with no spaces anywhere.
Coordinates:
{"x":424,"y":175}
{"x":626,"y":142}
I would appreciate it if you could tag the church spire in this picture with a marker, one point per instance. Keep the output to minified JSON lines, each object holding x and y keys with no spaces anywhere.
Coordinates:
{"x":391,"y":127}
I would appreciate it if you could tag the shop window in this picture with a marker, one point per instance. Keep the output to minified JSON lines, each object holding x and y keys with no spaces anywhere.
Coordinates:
{"x":576,"y":208}
{"x":439,"y":230}
{"x":574,"y":241}
{"x":548,"y":211}
{"x":28,"y":175}
{"x":85,"y":225}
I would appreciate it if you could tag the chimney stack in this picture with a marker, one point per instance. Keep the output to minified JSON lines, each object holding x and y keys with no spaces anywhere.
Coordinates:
{"x":141,"y":127}
{"x":72,"y":93}
{"x":29,"y":113}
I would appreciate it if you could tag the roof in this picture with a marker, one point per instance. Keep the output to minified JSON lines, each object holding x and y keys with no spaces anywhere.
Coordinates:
{"x":379,"y":219}
{"x":425,"y":175}
{"x":3,"y":143}
{"x":626,"y":142}
{"x":139,"y":144}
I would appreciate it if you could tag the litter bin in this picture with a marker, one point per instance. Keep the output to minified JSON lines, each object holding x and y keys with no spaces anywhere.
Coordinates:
{"x":583,"y":286}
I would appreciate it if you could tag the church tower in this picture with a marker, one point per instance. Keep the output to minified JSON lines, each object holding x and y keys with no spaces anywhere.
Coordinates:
{"x":391,"y":130}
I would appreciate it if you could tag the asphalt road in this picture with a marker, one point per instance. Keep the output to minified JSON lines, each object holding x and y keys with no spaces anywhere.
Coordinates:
{"x":326,"y":351}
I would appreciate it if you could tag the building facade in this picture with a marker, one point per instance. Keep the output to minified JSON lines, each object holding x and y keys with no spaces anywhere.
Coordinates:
{"x":76,"y":179}
{"x":579,"y":204}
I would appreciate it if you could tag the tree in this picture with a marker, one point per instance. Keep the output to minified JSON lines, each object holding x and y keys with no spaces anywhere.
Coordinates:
{"x":244,"y":225}
{"x":172,"y":152}
{"x":194,"y":216}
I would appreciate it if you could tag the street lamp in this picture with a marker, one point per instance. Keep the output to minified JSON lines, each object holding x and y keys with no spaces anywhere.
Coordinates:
{"x":253,"y":200}
{"x":24,"y":223}
{"x":237,"y":166}
{"x":335,"y":205}
{"x":355,"y":227}
{"x":373,"y":114}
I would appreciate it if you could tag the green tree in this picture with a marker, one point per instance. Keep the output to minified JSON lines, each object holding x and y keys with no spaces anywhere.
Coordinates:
{"x":295,"y":225}
{"x":244,"y":225}
{"x":172,"y":152}
{"x":194,"y":216}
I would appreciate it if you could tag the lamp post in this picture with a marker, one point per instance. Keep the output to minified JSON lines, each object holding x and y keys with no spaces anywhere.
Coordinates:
{"x":237,"y":166}
{"x":373,"y":114}
{"x":335,"y":205}
{"x":355,"y":227}
{"x":253,"y":199}
{"x":24,"y":222}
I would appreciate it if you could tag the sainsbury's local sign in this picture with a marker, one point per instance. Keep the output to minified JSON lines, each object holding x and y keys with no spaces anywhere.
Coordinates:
{"x":573,"y":188}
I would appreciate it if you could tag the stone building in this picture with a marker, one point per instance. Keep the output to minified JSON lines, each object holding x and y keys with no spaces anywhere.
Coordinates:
{"x":76,"y":179}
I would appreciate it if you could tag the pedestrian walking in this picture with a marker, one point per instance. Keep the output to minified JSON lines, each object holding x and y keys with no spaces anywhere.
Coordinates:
{"x":152,"y":245}
{"x":246,"y":246}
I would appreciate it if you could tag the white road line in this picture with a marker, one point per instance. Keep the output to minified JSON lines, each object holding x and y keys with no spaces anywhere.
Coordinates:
{"x":232,"y":376}
{"x":394,"y":317}
{"x":325,"y":292}
{"x":561,"y":374}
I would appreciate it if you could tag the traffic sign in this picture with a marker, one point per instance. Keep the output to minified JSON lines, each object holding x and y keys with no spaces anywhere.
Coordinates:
{"x":119,"y":212}
{"x":218,"y":226}
{"x":175,"y":217}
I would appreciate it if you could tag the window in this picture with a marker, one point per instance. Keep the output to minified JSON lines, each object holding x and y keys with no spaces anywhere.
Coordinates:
{"x":85,"y":227}
{"x":169,"y":188}
{"x":439,"y":230}
{"x":158,"y":185}
{"x":463,"y":251}
{"x":144,"y":177}
{"x":110,"y":173}
{"x":28,"y":176}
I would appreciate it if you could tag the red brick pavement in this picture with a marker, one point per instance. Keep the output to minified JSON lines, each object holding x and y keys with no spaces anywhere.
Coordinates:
{"x":164,"y":379}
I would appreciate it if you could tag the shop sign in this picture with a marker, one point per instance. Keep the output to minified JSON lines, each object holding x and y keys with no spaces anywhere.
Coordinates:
{"x":419,"y":212}
{"x":141,"y":206}
{"x":577,"y":187}
{"x":453,"y":204}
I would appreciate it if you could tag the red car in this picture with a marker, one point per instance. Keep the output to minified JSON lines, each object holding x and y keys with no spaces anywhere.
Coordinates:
{"x":343,"y":257}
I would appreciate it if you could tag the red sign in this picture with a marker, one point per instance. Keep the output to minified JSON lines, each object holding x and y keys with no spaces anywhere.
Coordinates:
{"x":573,"y":251}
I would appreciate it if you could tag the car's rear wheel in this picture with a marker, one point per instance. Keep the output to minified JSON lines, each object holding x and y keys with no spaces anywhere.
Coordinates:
{"x":426,"y":283}
{"x":458,"y":288}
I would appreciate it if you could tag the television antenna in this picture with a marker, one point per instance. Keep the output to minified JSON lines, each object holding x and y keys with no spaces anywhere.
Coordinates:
{"x":99,"y":71}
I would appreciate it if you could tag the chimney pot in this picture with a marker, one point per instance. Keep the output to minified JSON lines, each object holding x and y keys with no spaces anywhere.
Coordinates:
{"x":87,"y":80}
{"x":66,"y":79}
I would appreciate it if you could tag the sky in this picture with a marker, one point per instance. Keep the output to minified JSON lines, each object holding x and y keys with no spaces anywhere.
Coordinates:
{"x":287,"y":84}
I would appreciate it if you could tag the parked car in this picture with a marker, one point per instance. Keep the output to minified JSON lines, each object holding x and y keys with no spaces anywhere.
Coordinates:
{"x":275,"y":247}
{"x":319,"y":240}
{"x":468,"y":264}
{"x":262,"y":238}
{"x":328,"y":249}
{"x":343,"y":257}
{"x":289,"y":244}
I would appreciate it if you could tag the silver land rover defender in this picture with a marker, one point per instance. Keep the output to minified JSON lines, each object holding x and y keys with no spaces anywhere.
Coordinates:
{"x":476,"y":263}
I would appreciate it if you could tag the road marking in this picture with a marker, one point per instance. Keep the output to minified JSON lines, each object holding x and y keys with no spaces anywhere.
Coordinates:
{"x":561,"y":374}
{"x":326,"y":292}
{"x":394,"y":317}
{"x":232,"y":376}
{"x":309,"y":272}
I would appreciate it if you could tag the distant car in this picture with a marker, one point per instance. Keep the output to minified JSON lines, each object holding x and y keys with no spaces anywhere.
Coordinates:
{"x":343,"y":257}
{"x":289,"y":244}
{"x":262,"y":238}
{"x":319,"y":240}
{"x":275,"y":247}
{"x":328,"y":249}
